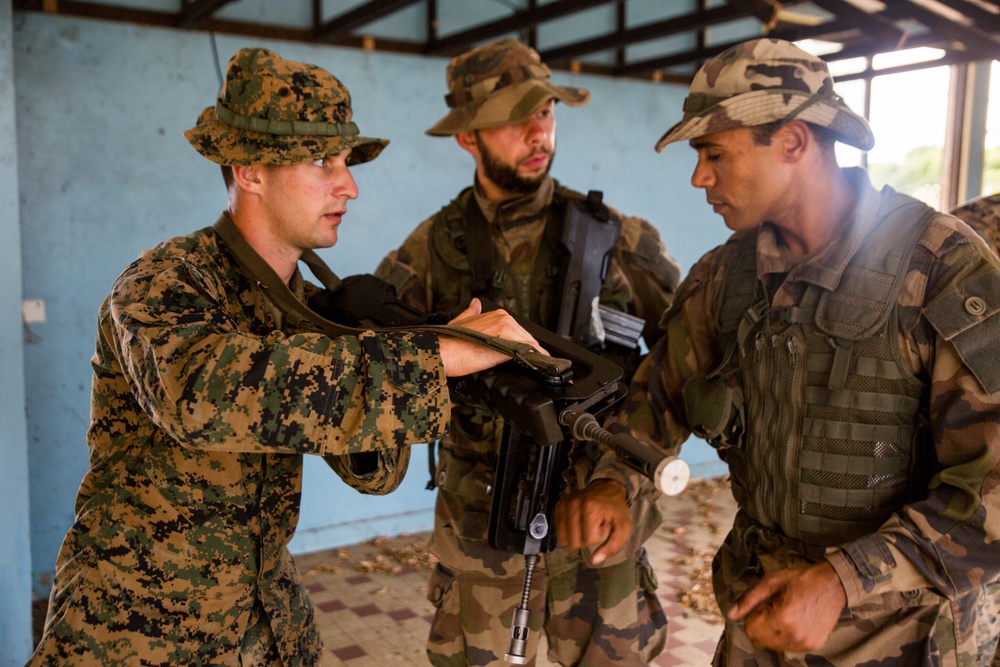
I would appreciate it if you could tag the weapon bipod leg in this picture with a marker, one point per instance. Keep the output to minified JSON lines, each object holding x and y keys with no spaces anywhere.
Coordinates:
{"x":517,"y":651}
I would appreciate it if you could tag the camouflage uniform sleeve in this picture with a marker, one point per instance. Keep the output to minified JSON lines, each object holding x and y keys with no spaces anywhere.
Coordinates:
{"x":643,"y":278}
{"x":212,"y":384}
{"x":946,"y":542}
{"x":408,"y":269}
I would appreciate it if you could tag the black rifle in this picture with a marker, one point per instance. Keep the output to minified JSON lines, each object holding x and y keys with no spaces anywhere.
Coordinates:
{"x":543,"y":410}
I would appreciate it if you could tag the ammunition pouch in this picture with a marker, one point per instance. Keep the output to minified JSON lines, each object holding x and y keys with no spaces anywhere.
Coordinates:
{"x":715,"y":409}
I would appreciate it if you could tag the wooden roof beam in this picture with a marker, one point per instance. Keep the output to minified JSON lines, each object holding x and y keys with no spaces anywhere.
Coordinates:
{"x":360,"y":16}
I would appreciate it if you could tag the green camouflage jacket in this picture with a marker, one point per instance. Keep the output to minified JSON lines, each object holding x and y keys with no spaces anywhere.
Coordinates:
{"x":939,"y":549}
{"x":202,"y":407}
{"x":431,"y":275}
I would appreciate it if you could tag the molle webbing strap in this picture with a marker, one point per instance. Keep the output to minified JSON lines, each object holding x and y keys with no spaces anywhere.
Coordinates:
{"x":841,"y":365}
{"x":840,"y":529}
{"x":741,"y":284}
{"x":885,"y":369}
{"x":298,"y":314}
{"x":863,"y":498}
{"x":480,"y":249}
{"x":857,"y":432}
{"x":861,"y":400}
{"x":846,"y":464}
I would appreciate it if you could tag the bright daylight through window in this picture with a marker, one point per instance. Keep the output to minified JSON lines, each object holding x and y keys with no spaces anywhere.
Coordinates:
{"x":908,"y":114}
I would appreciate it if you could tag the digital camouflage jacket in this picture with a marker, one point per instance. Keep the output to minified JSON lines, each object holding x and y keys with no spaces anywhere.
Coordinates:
{"x":914,"y":584}
{"x":202,"y":407}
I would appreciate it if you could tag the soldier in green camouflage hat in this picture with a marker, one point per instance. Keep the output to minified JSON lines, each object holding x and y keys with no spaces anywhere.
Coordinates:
{"x":595,"y":596}
{"x":206,"y":394}
{"x":839,"y":351}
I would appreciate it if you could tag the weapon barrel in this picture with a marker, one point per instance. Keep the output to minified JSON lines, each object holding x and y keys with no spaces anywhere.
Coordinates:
{"x":669,"y":474}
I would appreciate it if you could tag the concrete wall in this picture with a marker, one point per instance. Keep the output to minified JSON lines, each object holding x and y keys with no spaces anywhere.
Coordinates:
{"x":101,"y":171}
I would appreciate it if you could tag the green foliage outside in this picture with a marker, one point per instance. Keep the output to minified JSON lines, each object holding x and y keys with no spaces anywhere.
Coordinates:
{"x":919,"y":175}
{"x":991,"y":171}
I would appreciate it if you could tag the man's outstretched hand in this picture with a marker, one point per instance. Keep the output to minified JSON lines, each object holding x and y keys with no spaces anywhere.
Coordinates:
{"x":461,"y":357}
{"x":794,"y":609}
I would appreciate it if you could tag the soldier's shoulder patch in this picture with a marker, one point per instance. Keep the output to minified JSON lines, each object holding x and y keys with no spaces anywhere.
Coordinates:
{"x":968,"y":316}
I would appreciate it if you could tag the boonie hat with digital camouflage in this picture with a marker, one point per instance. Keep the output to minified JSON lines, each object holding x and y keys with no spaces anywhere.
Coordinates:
{"x":764,"y":81}
{"x":498,"y":84}
{"x":277,"y":111}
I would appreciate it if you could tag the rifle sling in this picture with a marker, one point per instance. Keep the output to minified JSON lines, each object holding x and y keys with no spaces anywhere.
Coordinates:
{"x":300,"y":315}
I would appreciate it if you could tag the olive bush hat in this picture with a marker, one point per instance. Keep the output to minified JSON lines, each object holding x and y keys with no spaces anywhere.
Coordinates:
{"x":764,"y":81}
{"x":497,"y":84}
{"x":276,"y":111}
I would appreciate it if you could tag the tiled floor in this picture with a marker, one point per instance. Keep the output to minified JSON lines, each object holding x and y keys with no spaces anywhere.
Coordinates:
{"x":372,"y":611}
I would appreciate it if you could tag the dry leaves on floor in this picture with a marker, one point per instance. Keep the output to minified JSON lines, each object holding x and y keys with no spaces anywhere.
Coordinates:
{"x":396,"y":554}
{"x":698,"y":596}
{"x":333,"y":566}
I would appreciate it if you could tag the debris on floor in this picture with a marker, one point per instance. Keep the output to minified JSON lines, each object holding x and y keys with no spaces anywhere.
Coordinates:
{"x":387,"y":555}
{"x":697,"y":563}
{"x":698,"y":597}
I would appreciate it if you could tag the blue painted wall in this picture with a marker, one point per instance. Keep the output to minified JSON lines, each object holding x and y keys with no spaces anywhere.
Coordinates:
{"x":105,"y":172}
{"x":15,"y":554}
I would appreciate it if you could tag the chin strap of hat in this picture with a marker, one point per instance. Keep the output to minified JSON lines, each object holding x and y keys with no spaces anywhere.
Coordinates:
{"x":300,"y":315}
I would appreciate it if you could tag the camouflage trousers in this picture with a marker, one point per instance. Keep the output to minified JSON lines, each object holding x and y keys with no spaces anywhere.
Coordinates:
{"x":590,"y":616}
{"x":896,"y":629}
{"x":878,"y":635}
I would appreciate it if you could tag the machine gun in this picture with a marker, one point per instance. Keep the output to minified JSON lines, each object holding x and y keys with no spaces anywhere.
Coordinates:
{"x":543,"y":413}
{"x":543,"y":409}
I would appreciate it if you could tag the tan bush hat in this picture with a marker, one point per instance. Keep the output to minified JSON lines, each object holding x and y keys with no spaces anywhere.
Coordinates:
{"x":498,"y":84}
{"x":764,"y":81}
{"x":277,"y":111}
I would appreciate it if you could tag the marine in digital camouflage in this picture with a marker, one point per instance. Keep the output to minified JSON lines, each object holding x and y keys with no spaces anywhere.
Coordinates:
{"x":764,"y":81}
{"x":497,"y":84}
{"x":917,"y":582}
{"x":592,"y":616}
{"x":202,"y":407}
{"x":203,"y":402}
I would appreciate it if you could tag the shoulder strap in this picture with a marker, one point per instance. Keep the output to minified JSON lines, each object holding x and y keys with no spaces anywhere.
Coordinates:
{"x":469,"y":235}
{"x":479,"y":247}
{"x":302,"y":316}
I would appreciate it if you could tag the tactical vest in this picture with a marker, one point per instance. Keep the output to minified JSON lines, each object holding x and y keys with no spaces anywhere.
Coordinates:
{"x":463,"y":243}
{"x":463,"y":258}
{"x":813,"y":408}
